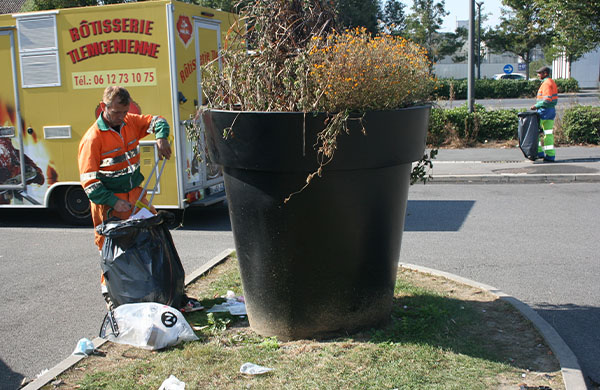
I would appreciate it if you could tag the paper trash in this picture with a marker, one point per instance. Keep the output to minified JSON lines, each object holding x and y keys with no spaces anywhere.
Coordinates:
{"x":142,"y":214}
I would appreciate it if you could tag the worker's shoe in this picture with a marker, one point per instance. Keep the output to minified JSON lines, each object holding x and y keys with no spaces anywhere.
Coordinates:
{"x":549,"y":159}
{"x":191,"y":305}
{"x":541,"y":155}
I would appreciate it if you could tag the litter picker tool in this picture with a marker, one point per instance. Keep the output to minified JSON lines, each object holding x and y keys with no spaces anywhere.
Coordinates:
{"x":138,"y":203}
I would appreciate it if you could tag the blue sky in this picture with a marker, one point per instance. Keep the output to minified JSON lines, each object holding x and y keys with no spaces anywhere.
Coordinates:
{"x":459,"y":10}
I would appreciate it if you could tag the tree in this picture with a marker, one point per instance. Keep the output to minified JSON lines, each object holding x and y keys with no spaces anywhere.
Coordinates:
{"x":224,"y":5}
{"x":450,"y":43}
{"x":576,"y":26}
{"x":423,"y":24}
{"x":480,"y":18}
{"x":393,"y":17}
{"x":521,"y":29}
{"x":426,"y":19}
{"x":40,"y":5}
{"x":355,"y":13}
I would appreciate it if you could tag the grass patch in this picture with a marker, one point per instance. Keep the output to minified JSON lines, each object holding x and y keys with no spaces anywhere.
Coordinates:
{"x":442,"y":335}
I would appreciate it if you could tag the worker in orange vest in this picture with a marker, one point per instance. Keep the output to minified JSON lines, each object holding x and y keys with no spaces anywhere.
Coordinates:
{"x":109,"y":164}
{"x":547,"y":97}
{"x":109,"y":158}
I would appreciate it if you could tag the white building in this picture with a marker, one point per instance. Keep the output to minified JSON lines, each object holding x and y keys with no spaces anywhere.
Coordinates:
{"x":585,"y":70}
{"x":491,"y":63}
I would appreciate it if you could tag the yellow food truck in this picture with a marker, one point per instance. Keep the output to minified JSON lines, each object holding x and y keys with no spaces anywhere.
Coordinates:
{"x":54,"y":67}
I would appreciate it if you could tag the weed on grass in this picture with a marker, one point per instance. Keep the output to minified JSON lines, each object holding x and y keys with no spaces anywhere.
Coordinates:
{"x":441,"y":335}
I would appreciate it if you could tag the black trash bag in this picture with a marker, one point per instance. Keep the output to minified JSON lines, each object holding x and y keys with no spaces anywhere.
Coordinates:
{"x":140,"y":263}
{"x":529,"y":133}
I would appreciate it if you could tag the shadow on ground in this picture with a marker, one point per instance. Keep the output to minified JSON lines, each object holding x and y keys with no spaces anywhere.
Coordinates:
{"x":26,"y":217}
{"x":421,"y":216}
{"x":10,"y":380}
{"x":214,"y":218}
{"x":578,"y":325}
{"x":436,"y":215}
{"x":488,"y":330}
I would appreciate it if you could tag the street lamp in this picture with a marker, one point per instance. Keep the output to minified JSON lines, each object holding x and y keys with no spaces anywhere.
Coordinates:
{"x":471,"y":70}
{"x":479,"y":3}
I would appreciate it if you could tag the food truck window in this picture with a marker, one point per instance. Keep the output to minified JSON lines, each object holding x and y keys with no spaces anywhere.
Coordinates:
{"x":38,"y":50}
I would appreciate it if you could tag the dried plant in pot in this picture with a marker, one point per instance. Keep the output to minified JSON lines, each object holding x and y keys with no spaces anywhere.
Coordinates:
{"x":316,"y":130}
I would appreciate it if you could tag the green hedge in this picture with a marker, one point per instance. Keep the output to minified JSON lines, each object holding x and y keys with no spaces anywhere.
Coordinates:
{"x":495,"y":89}
{"x":581,"y":124}
{"x":479,"y":126}
{"x":567,"y":85}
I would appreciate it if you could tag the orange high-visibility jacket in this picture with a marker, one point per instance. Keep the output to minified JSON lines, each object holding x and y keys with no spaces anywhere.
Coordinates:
{"x":547,"y":95}
{"x":109,"y":162}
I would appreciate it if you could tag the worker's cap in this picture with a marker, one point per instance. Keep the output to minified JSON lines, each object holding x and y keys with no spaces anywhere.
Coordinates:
{"x":543,"y":69}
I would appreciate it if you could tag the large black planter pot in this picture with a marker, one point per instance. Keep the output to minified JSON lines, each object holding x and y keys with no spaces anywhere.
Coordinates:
{"x":326,"y":261}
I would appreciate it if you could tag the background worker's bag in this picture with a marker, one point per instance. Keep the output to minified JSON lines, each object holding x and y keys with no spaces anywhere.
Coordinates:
{"x":529,"y":133}
{"x":140,"y":263}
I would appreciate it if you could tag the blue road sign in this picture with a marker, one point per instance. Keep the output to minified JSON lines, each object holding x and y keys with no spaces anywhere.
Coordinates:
{"x":508,"y":68}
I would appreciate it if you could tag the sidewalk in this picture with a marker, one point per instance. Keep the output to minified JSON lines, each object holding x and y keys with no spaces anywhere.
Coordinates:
{"x":503,"y":166}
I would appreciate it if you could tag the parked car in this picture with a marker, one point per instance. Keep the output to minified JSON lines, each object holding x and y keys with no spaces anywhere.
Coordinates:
{"x":510,"y":76}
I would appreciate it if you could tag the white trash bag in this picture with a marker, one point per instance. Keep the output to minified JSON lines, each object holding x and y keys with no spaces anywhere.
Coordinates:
{"x":147,"y":325}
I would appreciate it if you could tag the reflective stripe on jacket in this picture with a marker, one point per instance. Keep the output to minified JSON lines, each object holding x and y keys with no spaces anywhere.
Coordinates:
{"x":547,"y":95}
{"x":109,"y":162}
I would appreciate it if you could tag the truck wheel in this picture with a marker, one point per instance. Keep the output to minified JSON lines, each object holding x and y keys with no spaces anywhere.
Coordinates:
{"x":74,"y":206}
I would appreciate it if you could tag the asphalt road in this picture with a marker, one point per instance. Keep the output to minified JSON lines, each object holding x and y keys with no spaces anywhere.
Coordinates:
{"x":50,"y":284}
{"x":535,"y":242}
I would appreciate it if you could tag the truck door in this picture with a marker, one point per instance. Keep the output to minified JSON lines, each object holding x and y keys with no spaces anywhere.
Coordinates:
{"x":15,"y":171}
{"x":204,"y":179}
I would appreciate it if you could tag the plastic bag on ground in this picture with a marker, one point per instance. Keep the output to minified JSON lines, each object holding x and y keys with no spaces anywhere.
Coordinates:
{"x":85,"y":347}
{"x":254,"y":369}
{"x":150,"y":325}
{"x":172,"y":383}
{"x":140,"y":263}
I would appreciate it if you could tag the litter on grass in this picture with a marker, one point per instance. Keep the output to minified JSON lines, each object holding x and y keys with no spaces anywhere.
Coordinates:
{"x":150,"y":325}
{"x":254,"y":369}
{"x":85,"y":347}
{"x":172,"y":383}
{"x":234,"y":305}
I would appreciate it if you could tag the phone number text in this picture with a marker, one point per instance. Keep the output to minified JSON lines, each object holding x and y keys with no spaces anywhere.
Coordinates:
{"x":104,"y":78}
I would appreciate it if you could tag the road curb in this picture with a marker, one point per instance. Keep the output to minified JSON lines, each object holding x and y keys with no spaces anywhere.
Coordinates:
{"x":515,"y":178}
{"x":208,"y":265}
{"x":70,"y":361}
{"x":569,"y":366}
